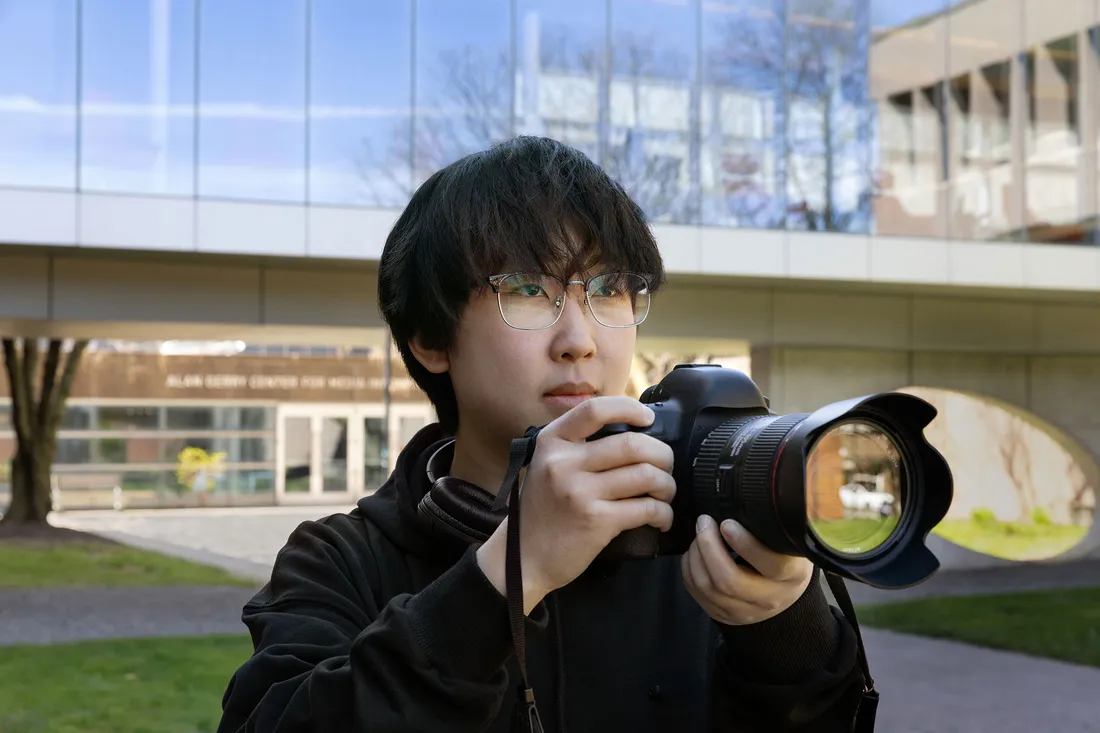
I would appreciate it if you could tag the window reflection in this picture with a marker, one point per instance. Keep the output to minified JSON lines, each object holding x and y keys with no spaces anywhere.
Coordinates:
{"x":360,"y":95}
{"x":252,"y":91}
{"x":742,"y":113}
{"x":137,"y":96}
{"x":827,"y":138}
{"x":38,"y":130}
{"x":908,"y":65}
{"x":652,"y":101}
{"x":984,"y":195}
{"x":464,"y":93}
{"x":1052,"y":140}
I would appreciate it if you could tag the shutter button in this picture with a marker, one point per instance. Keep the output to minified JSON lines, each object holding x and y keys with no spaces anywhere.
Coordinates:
{"x":655,"y":693}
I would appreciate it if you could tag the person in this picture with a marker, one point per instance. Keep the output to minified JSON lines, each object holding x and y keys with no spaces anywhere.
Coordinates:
{"x":513,"y":284}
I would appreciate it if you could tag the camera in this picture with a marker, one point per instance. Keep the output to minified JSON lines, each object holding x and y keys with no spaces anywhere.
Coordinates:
{"x":854,"y":486}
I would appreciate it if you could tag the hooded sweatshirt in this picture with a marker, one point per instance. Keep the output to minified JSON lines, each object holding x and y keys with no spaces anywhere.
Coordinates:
{"x":373,"y":622}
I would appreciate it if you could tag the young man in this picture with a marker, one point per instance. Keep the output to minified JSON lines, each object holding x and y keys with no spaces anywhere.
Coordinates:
{"x":513,"y":284}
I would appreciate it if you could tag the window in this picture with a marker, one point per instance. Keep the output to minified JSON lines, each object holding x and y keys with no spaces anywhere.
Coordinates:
{"x":360,"y":97}
{"x":38,"y":93}
{"x":128,"y":418}
{"x":252,"y":92}
{"x":138,"y":96}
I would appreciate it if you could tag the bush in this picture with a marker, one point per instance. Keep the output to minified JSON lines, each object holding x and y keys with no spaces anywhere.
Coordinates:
{"x":984,"y":518}
{"x":1040,"y":517}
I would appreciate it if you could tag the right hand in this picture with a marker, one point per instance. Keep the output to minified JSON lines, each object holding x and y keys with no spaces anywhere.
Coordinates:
{"x":579,"y":495}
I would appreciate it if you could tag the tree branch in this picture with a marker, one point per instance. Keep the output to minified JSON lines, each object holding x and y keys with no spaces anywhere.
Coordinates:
{"x":30,"y":382}
{"x":14,"y":361}
{"x":49,"y":378}
{"x":61,"y":394}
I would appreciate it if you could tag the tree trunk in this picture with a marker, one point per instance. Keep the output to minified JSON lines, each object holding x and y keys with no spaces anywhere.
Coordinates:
{"x":38,"y":399}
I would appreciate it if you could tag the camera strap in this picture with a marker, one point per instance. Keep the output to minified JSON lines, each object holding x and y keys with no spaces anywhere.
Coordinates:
{"x":868,"y":705}
{"x":520,"y":452}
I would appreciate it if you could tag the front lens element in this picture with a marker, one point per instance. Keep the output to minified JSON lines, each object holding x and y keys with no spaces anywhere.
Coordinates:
{"x":854,"y":487}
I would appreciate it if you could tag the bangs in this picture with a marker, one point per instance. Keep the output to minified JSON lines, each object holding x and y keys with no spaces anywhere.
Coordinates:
{"x":558,"y":214}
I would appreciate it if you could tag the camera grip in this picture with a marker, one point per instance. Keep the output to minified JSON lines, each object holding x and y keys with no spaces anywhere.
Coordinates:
{"x":633,"y":544}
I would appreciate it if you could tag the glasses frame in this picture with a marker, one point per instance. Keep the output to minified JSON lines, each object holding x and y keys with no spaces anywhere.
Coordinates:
{"x":495,"y":280}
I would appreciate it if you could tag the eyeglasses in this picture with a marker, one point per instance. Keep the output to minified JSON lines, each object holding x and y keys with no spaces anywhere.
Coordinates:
{"x":532,"y":301}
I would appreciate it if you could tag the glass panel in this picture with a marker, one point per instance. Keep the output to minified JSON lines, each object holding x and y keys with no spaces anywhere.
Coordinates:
{"x":464,"y":82}
{"x":138,"y":96}
{"x":128,"y":418}
{"x":408,"y":427}
{"x":190,"y":418}
{"x":298,"y":451}
{"x":374,"y":453}
{"x":38,"y":93}
{"x":908,"y":94}
{"x":560,"y":70}
{"x":75,"y":417}
{"x":334,"y":453}
{"x":742,"y":114}
{"x":360,"y":94}
{"x":252,"y":133}
{"x":650,"y":150}
{"x":5,"y":417}
{"x":1053,"y":138}
{"x":983,"y":194}
{"x":827,"y":140}
{"x":236,"y":450}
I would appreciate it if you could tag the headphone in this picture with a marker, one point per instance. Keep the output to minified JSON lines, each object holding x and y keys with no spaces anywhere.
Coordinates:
{"x":455,"y":506}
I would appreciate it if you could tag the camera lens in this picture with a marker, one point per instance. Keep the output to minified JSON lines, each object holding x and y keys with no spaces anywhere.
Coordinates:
{"x":854,"y":487}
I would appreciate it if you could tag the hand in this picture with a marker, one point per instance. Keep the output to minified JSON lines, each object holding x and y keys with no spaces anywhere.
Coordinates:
{"x":579,"y":495}
{"x":732,"y":594}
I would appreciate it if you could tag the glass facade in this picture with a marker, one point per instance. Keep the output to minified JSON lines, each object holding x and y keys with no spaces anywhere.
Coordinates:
{"x":969,"y":119}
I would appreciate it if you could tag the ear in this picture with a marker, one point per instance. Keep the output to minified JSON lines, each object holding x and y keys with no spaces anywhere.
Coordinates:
{"x":435,"y":361}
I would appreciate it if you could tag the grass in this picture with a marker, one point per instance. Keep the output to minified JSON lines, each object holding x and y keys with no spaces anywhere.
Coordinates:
{"x":1062,"y":624}
{"x":1012,"y":540}
{"x":133,"y":686}
{"x":854,"y":535}
{"x":83,"y":564}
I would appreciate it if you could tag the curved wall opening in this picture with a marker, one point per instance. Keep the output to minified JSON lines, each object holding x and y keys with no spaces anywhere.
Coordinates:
{"x":1024,"y":489}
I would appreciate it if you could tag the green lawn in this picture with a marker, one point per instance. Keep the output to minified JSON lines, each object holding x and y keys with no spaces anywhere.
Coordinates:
{"x":1062,"y":624}
{"x":30,"y":564}
{"x":1012,"y":540}
{"x":134,"y":686}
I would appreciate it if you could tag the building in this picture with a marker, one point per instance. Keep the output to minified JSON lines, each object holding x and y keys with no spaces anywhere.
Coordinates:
{"x":850,"y":195}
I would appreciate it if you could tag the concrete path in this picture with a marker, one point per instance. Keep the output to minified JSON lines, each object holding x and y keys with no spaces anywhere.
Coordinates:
{"x":928,"y":685}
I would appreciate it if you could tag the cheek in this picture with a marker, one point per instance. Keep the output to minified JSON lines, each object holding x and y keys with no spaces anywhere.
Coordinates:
{"x":616,"y":347}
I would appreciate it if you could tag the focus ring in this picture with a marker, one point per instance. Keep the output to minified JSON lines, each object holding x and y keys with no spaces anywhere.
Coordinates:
{"x":755,"y":491}
{"x":710,"y":452}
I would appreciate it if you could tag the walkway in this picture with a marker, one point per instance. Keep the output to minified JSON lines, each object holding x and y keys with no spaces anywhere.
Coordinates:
{"x":928,"y":686}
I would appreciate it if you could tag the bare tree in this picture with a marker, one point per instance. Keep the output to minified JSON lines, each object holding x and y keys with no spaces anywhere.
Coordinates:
{"x":38,"y":397}
{"x":1084,"y":495}
{"x":1015,"y":452}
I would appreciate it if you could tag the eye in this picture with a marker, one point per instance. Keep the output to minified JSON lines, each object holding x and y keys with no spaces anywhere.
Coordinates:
{"x":532,"y":290}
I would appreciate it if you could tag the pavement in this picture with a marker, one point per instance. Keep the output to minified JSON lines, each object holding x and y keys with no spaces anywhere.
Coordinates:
{"x":928,"y":685}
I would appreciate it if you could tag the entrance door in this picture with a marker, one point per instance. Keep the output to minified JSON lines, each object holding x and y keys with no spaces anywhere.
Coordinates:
{"x":339,"y":452}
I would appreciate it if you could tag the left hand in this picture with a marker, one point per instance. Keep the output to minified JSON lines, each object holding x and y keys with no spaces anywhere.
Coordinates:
{"x":733,"y":594}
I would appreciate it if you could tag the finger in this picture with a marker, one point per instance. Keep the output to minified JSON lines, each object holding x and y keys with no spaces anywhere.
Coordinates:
{"x":766,"y":561}
{"x":726,"y":576}
{"x":696,"y":570}
{"x":588,"y":417}
{"x":640,"y":512}
{"x":624,"y":449}
{"x":636,"y":480}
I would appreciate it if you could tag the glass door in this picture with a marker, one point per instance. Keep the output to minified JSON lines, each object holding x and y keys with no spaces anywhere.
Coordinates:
{"x":314,"y":442}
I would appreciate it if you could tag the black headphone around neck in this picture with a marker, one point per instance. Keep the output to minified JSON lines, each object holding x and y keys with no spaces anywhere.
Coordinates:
{"x":455,"y":506}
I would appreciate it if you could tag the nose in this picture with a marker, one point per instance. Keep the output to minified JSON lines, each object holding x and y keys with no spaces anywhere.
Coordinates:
{"x":574,"y":339}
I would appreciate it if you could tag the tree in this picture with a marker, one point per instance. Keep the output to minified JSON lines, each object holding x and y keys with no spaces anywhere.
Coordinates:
{"x":38,"y":397}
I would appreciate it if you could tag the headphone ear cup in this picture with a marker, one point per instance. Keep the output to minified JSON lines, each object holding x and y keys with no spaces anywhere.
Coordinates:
{"x":461,"y":509}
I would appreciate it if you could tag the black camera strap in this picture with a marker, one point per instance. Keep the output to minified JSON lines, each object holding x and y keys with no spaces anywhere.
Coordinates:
{"x":526,"y":718}
{"x":868,"y":705}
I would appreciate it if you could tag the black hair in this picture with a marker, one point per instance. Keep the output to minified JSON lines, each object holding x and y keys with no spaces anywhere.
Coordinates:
{"x":528,"y":204}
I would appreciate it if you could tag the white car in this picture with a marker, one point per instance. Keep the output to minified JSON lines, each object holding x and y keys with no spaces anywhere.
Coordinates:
{"x":857,"y":497}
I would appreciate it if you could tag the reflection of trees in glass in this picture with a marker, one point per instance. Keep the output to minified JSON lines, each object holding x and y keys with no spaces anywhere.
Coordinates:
{"x":812,"y":68}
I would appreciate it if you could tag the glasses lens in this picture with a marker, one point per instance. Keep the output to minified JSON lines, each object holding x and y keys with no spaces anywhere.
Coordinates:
{"x":619,"y":299}
{"x":529,"y":300}
{"x":853,"y":487}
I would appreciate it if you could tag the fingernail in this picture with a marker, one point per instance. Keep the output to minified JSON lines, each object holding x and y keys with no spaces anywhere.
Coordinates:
{"x":650,"y":414}
{"x":730,"y":527}
{"x":702,"y":523}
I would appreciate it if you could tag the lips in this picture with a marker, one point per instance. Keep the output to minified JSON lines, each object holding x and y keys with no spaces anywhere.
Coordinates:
{"x":572,"y":389}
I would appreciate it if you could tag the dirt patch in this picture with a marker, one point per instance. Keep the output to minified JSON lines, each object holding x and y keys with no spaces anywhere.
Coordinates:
{"x":45,"y":534}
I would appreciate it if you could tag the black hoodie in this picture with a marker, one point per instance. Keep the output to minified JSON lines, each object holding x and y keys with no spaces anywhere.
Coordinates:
{"x":371,"y":622}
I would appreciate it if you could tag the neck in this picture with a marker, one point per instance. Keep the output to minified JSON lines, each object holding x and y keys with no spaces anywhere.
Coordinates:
{"x":478,"y":460}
